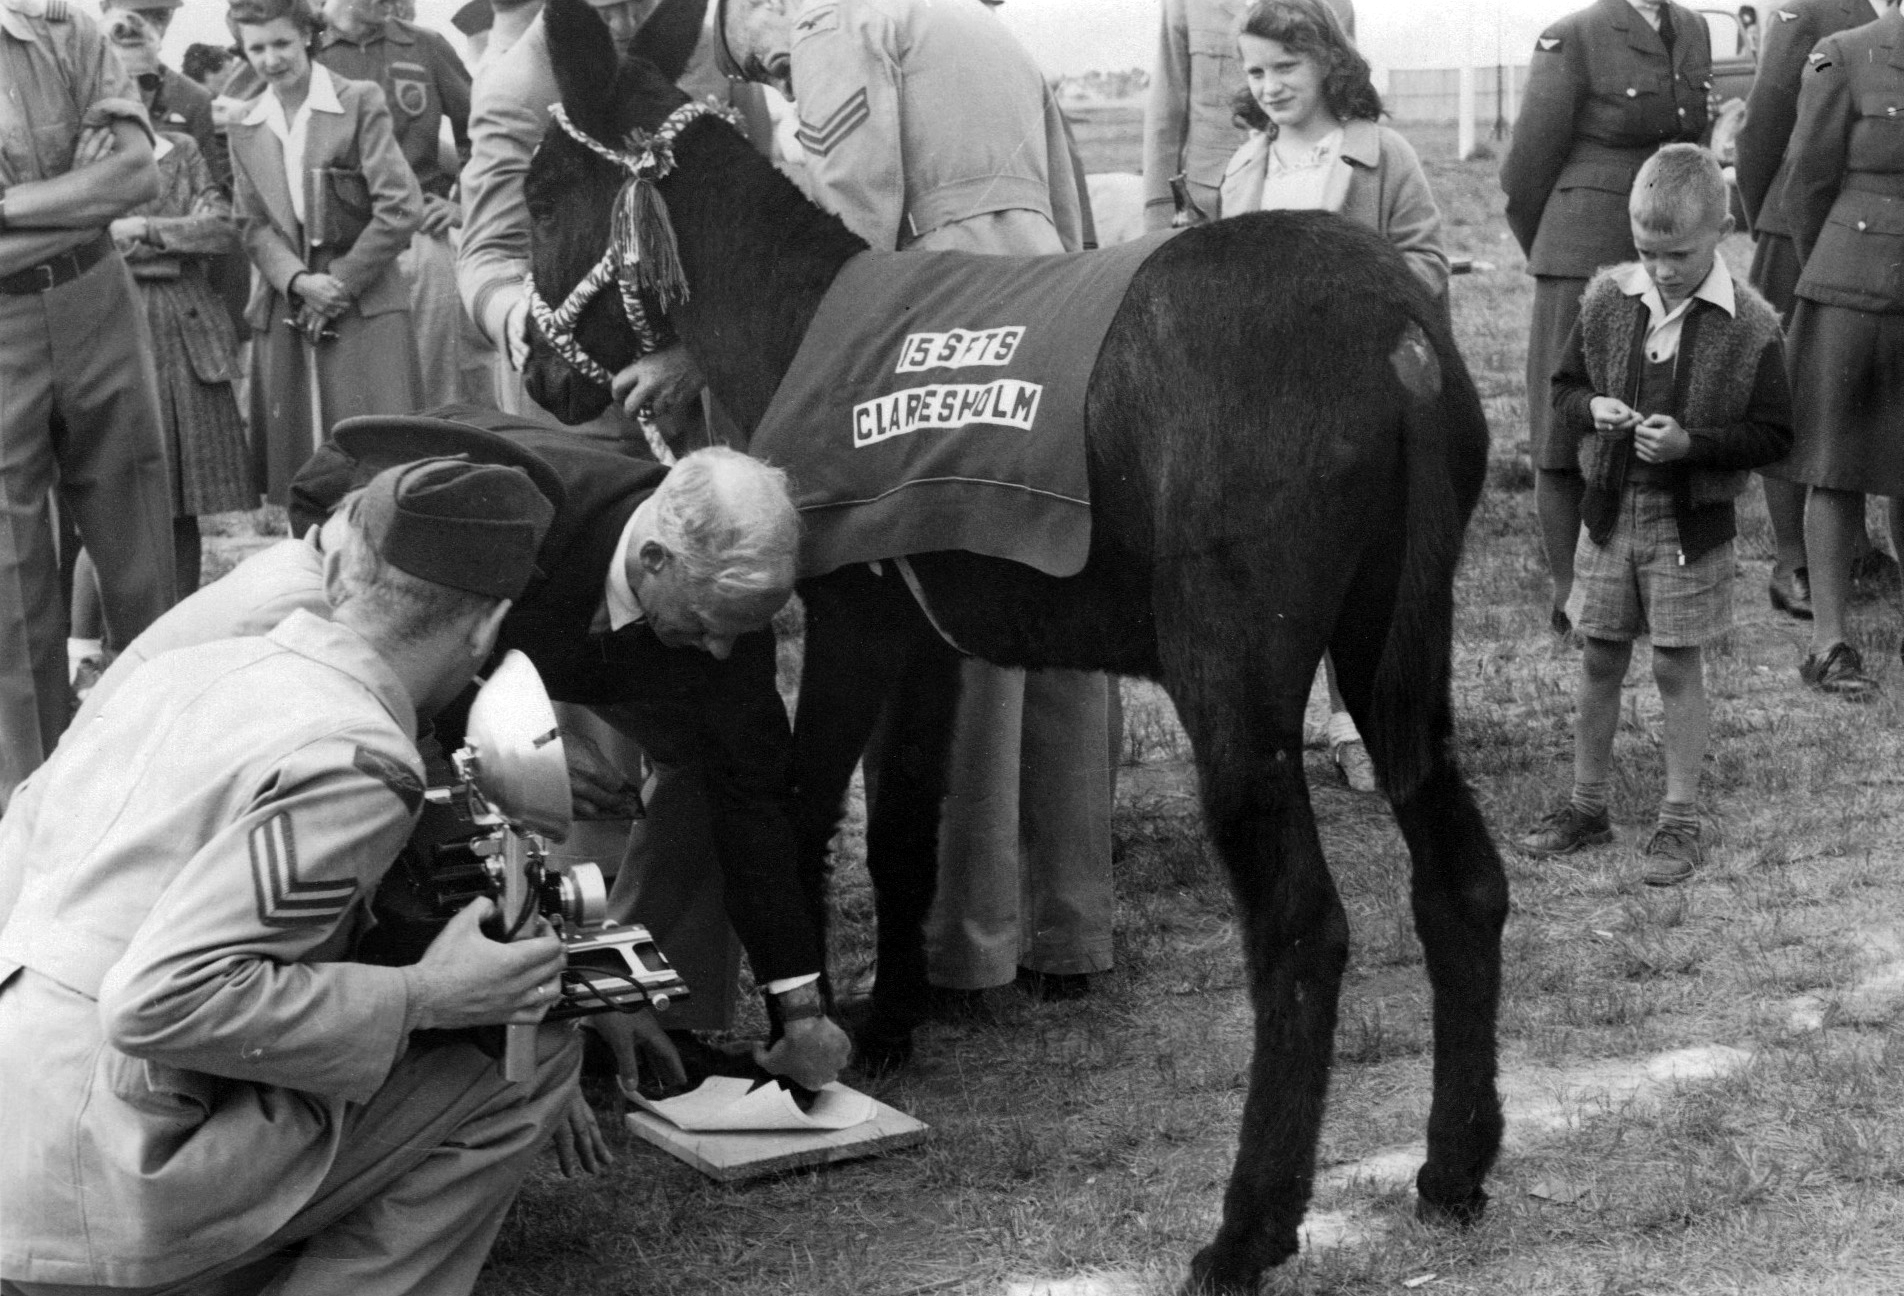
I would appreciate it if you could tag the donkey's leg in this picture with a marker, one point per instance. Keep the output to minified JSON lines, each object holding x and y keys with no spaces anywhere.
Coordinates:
{"x":905,"y":785}
{"x":1460,"y":903}
{"x":857,"y":631}
{"x":1246,"y":727}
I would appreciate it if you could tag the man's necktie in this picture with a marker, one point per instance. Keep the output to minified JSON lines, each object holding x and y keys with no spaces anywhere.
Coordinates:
{"x":1666,"y":27}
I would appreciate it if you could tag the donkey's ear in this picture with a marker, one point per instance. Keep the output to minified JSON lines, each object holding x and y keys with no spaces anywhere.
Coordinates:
{"x":582,"y":55}
{"x":670,"y":35}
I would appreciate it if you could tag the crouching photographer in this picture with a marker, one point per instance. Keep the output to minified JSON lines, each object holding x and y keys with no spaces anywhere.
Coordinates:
{"x":198,"y":1081}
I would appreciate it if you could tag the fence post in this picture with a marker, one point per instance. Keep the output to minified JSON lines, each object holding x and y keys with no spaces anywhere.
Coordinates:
{"x":1464,"y":109}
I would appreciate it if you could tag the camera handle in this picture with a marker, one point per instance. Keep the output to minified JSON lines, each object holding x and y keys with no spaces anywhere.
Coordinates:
{"x":519,"y":1042}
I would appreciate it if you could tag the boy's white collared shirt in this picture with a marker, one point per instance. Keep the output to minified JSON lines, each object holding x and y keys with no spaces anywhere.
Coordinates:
{"x":268,"y":112}
{"x":1664,"y":326}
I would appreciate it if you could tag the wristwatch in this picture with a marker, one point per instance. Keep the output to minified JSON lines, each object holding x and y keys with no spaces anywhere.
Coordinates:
{"x":3,"y":208}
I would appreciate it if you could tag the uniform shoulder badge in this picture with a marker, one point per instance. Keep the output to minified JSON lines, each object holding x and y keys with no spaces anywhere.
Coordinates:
{"x":822,"y":137}
{"x":393,"y":774}
{"x":1547,"y":44}
{"x":1786,"y":15}
{"x":285,"y":897}
{"x":1818,"y":60}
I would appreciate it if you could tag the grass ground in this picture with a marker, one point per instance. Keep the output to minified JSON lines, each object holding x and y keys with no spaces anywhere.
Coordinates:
{"x":1703,"y":1084}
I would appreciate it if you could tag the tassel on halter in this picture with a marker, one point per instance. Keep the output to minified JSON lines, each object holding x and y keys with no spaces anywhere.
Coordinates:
{"x":642,"y":226}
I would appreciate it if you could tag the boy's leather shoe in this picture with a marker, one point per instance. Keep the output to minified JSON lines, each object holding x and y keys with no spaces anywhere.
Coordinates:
{"x":1674,"y":852}
{"x":1565,"y":831}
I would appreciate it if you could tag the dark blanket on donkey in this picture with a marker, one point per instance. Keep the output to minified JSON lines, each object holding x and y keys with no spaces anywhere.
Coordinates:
{"x":937,"y":402}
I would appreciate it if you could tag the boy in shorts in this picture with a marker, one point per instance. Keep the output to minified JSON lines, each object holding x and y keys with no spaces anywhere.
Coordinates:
{"x":1678,"y":371}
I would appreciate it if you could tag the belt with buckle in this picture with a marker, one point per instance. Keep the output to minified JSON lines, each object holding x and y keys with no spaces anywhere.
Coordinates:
{"x":56,"y":270}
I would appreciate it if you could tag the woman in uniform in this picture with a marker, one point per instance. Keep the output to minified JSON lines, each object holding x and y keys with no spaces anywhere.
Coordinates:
{"x":1607,"y":86}
{"x":1844,"y":197}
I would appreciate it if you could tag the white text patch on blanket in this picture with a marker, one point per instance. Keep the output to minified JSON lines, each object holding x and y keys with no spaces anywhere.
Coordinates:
{"x":937,"y":402}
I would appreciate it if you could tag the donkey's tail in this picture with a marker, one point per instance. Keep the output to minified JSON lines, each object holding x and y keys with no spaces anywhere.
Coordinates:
{"x":1444,"y":455}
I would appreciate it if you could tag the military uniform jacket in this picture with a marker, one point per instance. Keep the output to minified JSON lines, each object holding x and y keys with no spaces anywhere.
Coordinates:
{"x":184,"y":937}
{"x":1844,"y":188}
{"x":1773,"y":106}
{"x":917,"y":115}
{"x":1602,"y":95}
{"x":57,"y":76}
{"x":423,"y":82}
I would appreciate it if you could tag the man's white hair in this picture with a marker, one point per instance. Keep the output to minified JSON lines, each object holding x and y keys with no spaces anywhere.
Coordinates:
{"x":730,"y":522}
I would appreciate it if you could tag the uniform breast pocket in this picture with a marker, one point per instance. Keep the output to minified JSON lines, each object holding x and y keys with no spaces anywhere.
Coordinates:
{"x":1216,"y":70}
{"x":1882,"y":108}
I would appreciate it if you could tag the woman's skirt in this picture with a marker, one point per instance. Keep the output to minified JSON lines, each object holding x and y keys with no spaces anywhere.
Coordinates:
{"x":204,"y":436}
{"x":1556,"y":307}
{"x":370,"y":367}
{"x":1847,"y":400}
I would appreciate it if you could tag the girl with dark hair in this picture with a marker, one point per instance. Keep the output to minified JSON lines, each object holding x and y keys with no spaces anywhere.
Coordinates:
{"x":1315,"y":144}
{"x":1315,"y":141}
{"x":326,"y":202}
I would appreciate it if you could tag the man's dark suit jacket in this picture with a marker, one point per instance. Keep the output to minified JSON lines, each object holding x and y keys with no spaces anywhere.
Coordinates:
{"x":685,"y":705}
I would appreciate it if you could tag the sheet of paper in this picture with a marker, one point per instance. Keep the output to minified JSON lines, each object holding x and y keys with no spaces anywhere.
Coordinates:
{"x":732,"y":1103}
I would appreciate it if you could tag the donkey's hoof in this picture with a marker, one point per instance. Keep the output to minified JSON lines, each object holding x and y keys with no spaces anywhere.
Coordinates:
{"x":879,"y":1050}
{"x":1222,"y":1269}
{"x":1461,"y":1210}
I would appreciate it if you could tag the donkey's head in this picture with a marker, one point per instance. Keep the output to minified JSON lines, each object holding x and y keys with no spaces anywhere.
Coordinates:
{"x":572,"y":191}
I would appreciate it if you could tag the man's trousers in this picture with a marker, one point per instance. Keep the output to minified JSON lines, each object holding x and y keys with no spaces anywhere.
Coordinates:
{"x":423,"y":1179}
{"x":78,"y":413}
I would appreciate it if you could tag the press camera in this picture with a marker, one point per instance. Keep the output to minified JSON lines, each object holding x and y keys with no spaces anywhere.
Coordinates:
{"x":486,"y":833}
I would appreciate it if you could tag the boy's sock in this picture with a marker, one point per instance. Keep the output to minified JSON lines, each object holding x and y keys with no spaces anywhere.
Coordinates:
{"x":1589,"y":799}
{"x":1681,"y":816}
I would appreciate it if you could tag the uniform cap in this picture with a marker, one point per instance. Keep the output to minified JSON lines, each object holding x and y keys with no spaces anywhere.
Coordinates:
{"x":360,"y":448}
{"x":470,"y":526}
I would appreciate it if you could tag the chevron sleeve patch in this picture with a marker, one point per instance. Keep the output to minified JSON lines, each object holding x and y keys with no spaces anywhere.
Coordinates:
{"x":822,"y":138}
{"x":284,"y":898}
{"x":393,"y":774}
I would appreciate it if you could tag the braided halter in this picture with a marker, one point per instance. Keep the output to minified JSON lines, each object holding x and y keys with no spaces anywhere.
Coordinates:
{"x":641,"y":256}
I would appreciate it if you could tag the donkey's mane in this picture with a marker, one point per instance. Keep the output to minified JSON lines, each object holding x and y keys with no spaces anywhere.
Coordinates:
{"x":758,"y":255}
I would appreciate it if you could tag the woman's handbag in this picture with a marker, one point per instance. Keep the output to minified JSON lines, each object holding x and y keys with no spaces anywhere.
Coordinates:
{"x":337,"y":209}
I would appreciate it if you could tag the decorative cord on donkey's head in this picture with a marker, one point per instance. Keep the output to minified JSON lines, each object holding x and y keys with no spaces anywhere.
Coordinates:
{"x":642,"y":256}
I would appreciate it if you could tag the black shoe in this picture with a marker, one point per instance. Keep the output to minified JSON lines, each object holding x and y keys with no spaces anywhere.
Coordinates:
{"x":1560,"y":623}
{"x":1873,"y":576}
{"x":1050,"y":986}
{"x":1839,"y":671}
{"x":1792,"y":597}
{"x":981,"y":1007}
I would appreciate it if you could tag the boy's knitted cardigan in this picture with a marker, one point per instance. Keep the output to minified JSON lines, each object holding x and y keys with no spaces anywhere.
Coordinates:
{"x":1729,"y":392}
